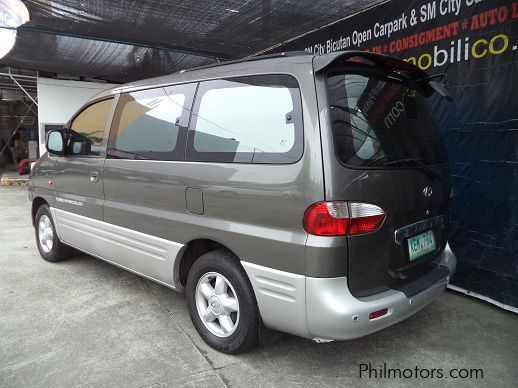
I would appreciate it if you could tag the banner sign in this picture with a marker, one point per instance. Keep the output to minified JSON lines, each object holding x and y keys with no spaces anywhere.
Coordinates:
{"x":476,"y":43}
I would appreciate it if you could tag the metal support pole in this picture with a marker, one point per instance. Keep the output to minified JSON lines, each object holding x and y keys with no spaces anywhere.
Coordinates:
{"x":21,"y":87}
{"x":30,"y":107}
{"x":19,"y":75}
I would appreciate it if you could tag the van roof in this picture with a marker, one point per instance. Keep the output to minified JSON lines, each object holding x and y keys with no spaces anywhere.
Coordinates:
{"x":267,"y":63}
{"x":210,"y":71}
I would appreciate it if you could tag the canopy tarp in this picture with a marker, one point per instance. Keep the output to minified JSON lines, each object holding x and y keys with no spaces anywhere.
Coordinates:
{"x":128,"y":40}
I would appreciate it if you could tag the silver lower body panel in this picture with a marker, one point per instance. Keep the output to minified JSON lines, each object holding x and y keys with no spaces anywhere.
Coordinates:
{"x":324,"y":309}
{"x":146,"y":255}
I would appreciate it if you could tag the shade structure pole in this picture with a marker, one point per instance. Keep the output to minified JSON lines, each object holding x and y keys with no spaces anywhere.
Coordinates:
{"x":21,"y":87}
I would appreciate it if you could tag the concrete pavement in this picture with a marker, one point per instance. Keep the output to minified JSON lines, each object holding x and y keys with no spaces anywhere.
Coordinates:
{"x":85,"y":323}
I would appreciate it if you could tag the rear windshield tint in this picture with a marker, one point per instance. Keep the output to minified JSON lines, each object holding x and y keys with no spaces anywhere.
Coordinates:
{"x":381,"y":122}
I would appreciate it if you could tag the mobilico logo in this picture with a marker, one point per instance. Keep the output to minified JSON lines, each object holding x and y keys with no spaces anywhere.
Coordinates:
{"x":462,"y":51}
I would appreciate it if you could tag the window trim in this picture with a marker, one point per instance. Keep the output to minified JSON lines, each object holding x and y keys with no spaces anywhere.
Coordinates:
{"x":191,"y":155}
{"x":107,"y":126}
{"x":178,"y":154}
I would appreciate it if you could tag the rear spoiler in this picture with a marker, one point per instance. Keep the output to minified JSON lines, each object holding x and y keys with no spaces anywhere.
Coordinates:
{"x":412,"y":72}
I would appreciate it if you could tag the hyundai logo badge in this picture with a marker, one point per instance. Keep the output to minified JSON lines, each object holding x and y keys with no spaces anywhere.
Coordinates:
{"x":427,"y":191}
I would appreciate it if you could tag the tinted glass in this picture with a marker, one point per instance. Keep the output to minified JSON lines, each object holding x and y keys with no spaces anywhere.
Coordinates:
{"x":381,"y":122}
{"x":249,"y":119}
{"x":86,"y":135}
{"x":147,"y":123}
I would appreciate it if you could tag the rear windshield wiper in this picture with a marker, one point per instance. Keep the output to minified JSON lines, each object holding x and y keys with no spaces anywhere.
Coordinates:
{"x":396,"y":162}
{"x":417,"y":162}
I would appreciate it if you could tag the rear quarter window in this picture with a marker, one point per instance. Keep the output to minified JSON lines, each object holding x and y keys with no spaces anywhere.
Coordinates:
{"x":256,"y":119}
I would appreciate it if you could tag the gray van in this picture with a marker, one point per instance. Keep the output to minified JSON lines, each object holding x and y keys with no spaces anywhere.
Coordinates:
{"x":304,"y":194}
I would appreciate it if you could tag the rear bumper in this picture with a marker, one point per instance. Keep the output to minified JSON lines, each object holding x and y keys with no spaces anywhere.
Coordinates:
{"x":334,"y":314}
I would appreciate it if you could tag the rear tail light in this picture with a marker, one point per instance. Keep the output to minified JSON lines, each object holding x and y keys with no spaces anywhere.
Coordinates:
{"x":339,"y":218}
{"x":365,"y":218}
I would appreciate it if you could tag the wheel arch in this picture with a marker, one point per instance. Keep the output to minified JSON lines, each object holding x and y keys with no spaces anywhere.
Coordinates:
{"x":194,"y":249}
{"x":36,"y":204}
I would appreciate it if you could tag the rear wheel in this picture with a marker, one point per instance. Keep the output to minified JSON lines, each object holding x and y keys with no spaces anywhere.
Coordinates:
{"x":51,"y":249}
{"x":222,"y":303}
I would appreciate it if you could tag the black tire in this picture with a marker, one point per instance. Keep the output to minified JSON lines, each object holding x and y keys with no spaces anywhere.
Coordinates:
{"x":246,"y":334}
{"x":58,"y":251}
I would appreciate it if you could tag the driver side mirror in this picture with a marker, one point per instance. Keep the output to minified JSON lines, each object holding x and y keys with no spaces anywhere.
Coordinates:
{"x":55,"y":143}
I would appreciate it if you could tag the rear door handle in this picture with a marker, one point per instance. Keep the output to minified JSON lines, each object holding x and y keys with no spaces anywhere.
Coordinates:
{"x":94,"y":177}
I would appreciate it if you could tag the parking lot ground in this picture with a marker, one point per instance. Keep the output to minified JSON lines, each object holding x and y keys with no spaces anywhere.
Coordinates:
{"x":83,"y":322}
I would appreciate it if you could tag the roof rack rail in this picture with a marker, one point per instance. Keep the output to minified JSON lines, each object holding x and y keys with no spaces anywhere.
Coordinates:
{"x":248,"y":59}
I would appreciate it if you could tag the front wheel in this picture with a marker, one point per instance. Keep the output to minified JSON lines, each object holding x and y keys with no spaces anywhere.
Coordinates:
{"x":222,"y":303}
{"x":51,"y":249}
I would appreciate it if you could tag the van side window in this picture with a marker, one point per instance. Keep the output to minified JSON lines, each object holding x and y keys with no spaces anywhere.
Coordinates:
{"x":149,"y":124}
{"x":87,"y":130}
{"x":256,"y":119}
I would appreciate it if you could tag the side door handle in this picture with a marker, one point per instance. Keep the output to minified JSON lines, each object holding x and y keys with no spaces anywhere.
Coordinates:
{"x":94,"y":177}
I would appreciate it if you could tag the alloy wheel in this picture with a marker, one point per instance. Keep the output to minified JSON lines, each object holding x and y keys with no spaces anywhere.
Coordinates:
{"x":217,"y":304}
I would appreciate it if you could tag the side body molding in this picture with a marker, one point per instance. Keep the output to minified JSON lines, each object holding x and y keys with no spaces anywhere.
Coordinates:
{"x":146,"y":255}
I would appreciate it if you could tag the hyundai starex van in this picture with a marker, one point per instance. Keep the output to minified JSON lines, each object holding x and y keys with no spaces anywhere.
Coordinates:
{"x":304,"y":194}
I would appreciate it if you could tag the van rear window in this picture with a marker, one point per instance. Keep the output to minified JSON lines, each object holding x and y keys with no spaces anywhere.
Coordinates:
{"x":381,"y":122}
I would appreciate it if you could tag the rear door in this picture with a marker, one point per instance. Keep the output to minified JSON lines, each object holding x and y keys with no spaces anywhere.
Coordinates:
{"x":385,"y":150}
{"x":78,"y":179}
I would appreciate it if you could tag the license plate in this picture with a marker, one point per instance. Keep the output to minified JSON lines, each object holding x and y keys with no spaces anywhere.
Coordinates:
{"x":421,"y":245}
